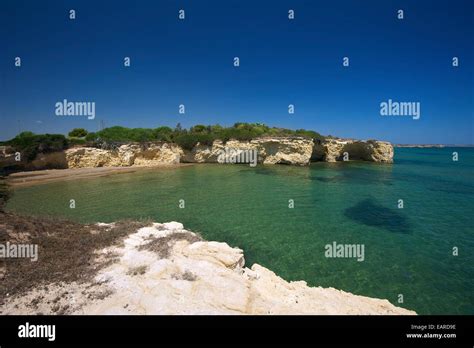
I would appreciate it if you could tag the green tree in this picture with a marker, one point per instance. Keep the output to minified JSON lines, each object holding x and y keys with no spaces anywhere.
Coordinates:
{"x":199,"y":128}
{"x":26,"y":134}
{"x":91,"y":136}
{"x":78,"y":133}
{"x":30,"y":144}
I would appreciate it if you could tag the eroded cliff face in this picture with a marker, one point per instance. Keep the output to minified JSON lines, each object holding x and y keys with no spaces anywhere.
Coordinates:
{"x":296,"y":151}
{"x":51,"y":160}
{"x":268,"y":150}
{"x":332,"y":150}
{"x":126,"y":155}
{"x":7,"y":156}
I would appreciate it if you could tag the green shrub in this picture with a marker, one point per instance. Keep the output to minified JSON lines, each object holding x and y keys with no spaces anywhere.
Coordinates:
{"x":126,"y":134}
{"x":205,"y":139}
{"x":29,"y":144}
{"x":199,"y":128}
{"x":163,"y":134}
{"x":309,"y":134}
{"x":197,"y":134}
{"x":91,"y":137}
{"x":186,"y":141}
{"x":78,"y":133}
{"x":77,"y":141}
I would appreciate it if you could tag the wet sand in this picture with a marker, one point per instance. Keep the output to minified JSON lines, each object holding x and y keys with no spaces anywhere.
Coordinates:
{"x":37,"y":177}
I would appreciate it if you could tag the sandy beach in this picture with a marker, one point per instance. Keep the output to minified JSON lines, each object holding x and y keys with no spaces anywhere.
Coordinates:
{"x":29,"y":178}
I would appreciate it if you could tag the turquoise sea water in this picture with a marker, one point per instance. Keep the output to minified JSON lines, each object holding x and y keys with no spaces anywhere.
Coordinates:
{"x":408,"y":251}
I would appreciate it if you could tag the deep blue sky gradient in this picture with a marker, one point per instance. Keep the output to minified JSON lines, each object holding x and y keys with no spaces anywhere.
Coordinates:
{"x":282,"y":62}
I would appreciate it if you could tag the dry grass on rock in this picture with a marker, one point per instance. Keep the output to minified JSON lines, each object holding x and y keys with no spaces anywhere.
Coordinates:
{"x":66,"y":250}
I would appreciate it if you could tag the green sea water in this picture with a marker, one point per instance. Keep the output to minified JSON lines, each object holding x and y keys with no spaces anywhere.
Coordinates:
{"x":408,"y":251}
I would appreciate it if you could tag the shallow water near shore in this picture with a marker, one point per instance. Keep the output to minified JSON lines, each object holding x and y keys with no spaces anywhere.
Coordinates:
{"x":407,"y":251}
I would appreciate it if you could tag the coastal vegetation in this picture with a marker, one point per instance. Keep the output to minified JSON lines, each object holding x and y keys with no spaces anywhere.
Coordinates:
{"x":77,"y":136}
{"x":188,"y":138}
{"x":78,"y":133}
{"x":58,"y":262}
{"x":31,"y":144}
{"x":121,"y":146}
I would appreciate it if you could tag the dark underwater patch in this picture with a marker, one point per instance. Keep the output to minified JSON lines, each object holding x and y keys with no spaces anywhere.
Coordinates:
{"x":337,"y":178}
{"x":371,"y":213}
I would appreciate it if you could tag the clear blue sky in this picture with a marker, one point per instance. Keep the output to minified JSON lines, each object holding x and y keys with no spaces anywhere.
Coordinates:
{"x":282,"y":62}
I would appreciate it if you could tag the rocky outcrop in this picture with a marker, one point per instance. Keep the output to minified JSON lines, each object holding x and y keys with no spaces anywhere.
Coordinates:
{"x":49,"y":160}
{"x":7,"y":156}
{"x":267,"y":150}
{"x":296,"y":151}
{"x":165,"y":269}
{"x":332,"y":150}
{"x":125,"y":155}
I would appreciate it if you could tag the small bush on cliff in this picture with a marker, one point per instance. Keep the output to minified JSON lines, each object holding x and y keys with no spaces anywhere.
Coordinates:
{"x":188,"y":140}
{"x":78,"y":133}
{"x":91,"y":137}
{"x":125,"y":134}
{"x":30,"y":144}
{"x":197,"y":134}
{"x":76,"y":141}
{"x":163,"y":134}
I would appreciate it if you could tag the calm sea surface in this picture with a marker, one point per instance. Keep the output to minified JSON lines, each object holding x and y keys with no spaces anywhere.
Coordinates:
{"x":408,"y":251}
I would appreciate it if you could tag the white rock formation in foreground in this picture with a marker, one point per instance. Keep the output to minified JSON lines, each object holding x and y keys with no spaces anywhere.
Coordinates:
{"x":164,"y":269}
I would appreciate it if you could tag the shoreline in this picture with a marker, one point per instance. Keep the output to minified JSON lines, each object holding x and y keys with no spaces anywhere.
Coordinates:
{"x":121,"y":271}
{"x":131,"y":268}
{"x":28,"y":178}
{"x":44,"y":176}
{"x":299,"y":151}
